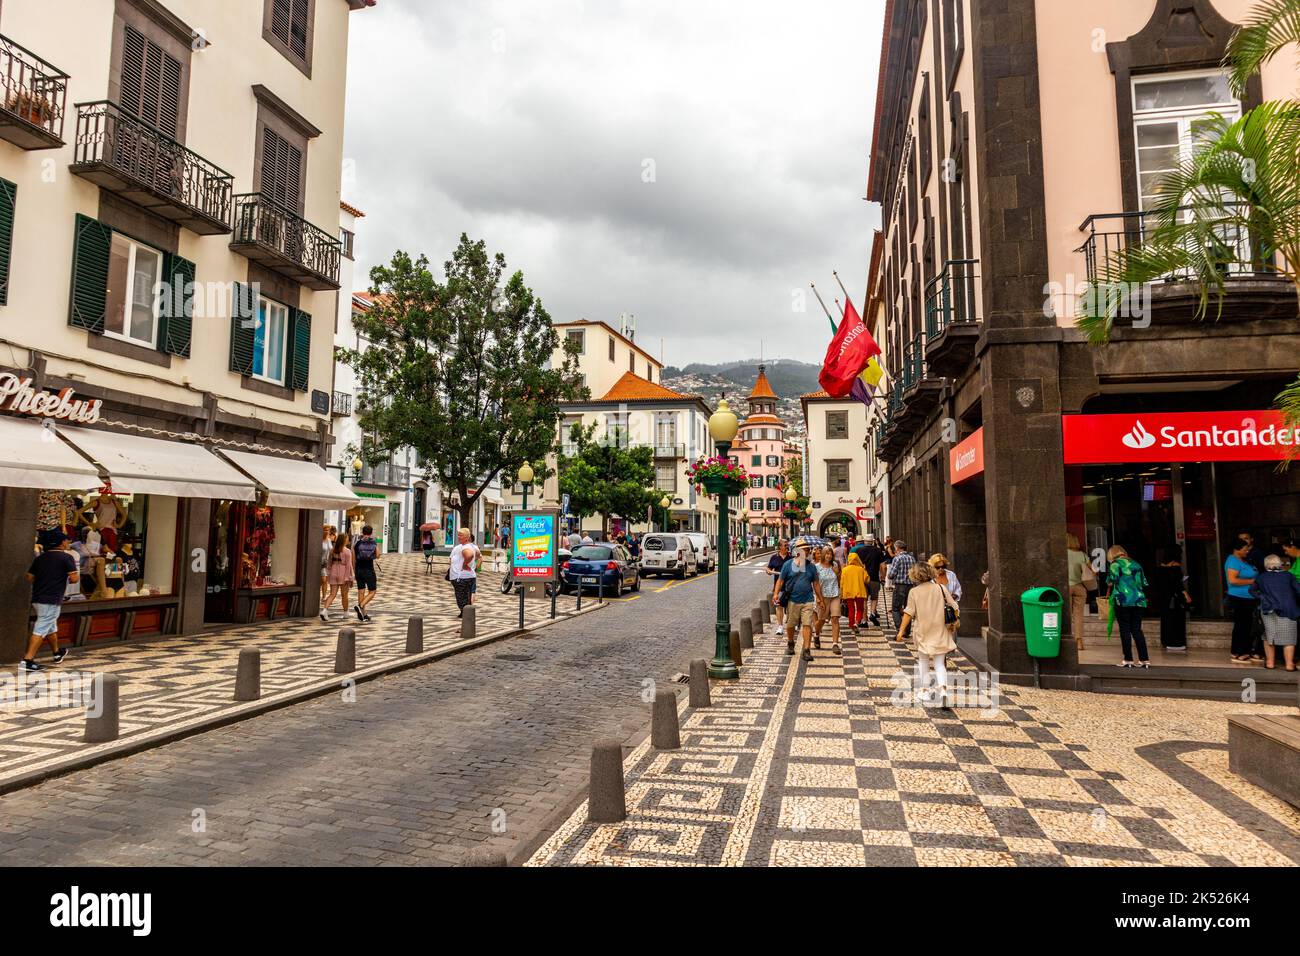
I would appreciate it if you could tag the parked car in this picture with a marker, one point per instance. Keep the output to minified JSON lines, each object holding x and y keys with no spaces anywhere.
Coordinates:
{"x":704,"y":548}
{"x":673,"y":554}
{"x":595,"y":565}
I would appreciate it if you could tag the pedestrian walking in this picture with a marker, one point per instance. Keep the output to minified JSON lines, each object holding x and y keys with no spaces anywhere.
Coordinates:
{"x":575,"y":540}
{"x":328,"y":534}
{"x":1080,"y":573}
{"x":49,"y":575}
{"x":802,"y":589}
{"x":1292,"y":551}
{"x":1173,"y":600}
{"x":1128,"y":602}
{"x":586,"y":539}
{"x":930,"y":617}
{"x":830,"y":605}
{"x":945,"y":575}
{"x":461,"y":573}
{"x":1278,"y":593}
{"x":900,"y":576}
{"x":853,"y":590}
{"x":873,"y":559}
{"x":1241,"y":574}
{"x":841,"y":552}
{"x":774,"y":565}
{"x":365,"y":554}
{"x":341,"y":574}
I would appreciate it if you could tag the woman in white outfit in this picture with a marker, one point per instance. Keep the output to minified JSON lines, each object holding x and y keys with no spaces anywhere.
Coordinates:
{"x":946,"y":576}
{"x":931,"y":634}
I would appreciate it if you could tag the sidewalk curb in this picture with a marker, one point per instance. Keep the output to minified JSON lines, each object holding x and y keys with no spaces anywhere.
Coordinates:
{"x":159,"y":738}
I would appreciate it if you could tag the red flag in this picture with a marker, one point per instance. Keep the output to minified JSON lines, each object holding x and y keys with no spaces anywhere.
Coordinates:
{"x":849,"y":352}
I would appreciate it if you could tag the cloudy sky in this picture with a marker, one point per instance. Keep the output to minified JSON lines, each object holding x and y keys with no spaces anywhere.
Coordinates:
{"x":694,"y":162}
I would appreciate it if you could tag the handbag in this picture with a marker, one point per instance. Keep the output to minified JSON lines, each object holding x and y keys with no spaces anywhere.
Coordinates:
{"x":951,"y":613}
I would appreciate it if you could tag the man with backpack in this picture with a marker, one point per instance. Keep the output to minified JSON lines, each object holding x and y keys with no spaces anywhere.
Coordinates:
{"x":365,"y":553}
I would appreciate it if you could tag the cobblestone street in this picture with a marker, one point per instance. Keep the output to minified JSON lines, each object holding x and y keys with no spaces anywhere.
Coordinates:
{"x":418,"y":769}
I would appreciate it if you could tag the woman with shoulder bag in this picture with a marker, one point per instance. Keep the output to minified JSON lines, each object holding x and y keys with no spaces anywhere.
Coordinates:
{"x":931,"y":616}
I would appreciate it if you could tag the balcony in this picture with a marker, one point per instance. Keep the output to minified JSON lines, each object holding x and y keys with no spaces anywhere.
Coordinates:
{"x":34,"y":98}
{"x":1253,"y":288}
{"x":669,"y":451}
{"x":922,"y":389}
{"x":284,"y":242}
{"x":342,"y":406}
{"x":384,"y":475}
{"x":132,"y":159}
{"x":952,"y":318}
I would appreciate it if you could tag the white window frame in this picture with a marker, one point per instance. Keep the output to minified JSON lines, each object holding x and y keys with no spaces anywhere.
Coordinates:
{"x":271,"y":305}
{"x":132,"y":246}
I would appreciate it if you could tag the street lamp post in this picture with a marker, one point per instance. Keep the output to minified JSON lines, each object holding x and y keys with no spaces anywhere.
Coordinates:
{"x":525,"y":476}
{"x":664,"y":505}
{"x":790,"y":497}
{"x":722,"y":427}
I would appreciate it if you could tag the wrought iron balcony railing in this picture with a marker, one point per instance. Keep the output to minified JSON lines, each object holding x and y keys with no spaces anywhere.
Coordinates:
{"x":669,"y":451}
{"x":950,"y":296}
{"x":914,"y":368}
{"x":33,"y":98}
{"x":342,"y":404}
{"x":282,"y":240}
{"x":1111,"y":233}
{"x":127,"y":156}
{"x":384,"y":475}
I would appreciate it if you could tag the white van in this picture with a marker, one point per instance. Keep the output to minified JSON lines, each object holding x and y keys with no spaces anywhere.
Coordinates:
{"x":704,"y":548}
{"x":673,"y":554}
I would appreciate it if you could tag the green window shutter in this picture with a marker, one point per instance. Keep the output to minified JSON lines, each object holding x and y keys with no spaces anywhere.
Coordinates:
{"x":91,"y":247}
{"x":8,"y":199}
{"x":243,"y":322}
{"x":176,"y":323}
{"x":299,"y":350}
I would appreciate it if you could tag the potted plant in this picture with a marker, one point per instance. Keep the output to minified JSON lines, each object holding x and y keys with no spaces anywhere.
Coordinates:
{"x":31,"y":107}
{"x":718,"y":475}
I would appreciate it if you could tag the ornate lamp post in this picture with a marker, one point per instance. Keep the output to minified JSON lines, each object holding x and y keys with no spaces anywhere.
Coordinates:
{"x":810,"y":514}
{"x":665,"y":504}
{"x":525,"y":476}
{"x":790,"y":496}
{"x":723,"y":427}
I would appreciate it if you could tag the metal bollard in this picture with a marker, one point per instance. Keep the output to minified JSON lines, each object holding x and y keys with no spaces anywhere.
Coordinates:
{"x":104,"y":727}
{"x":746,"y":633}
{"x":468,"y":623}
{"x":606,"y":802}
{"x":735,"y":648}
{"x":699,"y":684}
{"x":664,"y":733}
{"x":345,"y":654}
{"x":415,"y":635}
{"x":248,"y":675}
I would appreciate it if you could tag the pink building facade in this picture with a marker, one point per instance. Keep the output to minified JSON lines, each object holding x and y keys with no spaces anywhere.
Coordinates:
{"x":763,"y":456}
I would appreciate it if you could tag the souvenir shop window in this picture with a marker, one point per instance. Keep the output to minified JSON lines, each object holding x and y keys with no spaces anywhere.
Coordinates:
{"x":270,"y":547}
{"x":124,"y":544}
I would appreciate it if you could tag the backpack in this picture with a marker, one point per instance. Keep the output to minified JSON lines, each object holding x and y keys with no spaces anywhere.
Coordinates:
{"x":365,"y":549}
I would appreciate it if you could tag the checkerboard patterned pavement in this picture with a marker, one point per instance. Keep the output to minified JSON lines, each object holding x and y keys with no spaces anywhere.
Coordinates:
{"x":181,"y":680}
{"x":834,"y":763}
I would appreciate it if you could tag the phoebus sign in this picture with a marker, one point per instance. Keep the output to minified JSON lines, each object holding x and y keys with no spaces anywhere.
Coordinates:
{"x":18,"y":395}
{"x":1144,"y":437}
{"x":534,"y":545}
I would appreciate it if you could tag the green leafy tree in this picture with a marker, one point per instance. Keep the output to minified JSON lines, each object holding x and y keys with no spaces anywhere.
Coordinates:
{"x":460,"y":370}
{"x":1232,"y":207}
{"x":606,"y":478}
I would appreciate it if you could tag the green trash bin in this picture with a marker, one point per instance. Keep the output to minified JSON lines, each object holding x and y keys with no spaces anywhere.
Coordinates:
{"x":1042,"y":607}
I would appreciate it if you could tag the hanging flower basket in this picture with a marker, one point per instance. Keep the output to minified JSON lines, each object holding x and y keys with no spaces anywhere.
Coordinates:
{"x":719,"y":476}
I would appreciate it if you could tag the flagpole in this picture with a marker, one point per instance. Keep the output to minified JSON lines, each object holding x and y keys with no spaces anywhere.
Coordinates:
{"x":834,"y":328}
{"x":847,"y":297}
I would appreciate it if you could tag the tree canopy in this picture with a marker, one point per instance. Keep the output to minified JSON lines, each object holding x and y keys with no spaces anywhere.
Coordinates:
{"x":607,"y":478}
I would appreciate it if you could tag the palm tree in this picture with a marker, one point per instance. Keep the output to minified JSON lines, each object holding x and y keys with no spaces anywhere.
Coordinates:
{"x":1232,"y":208}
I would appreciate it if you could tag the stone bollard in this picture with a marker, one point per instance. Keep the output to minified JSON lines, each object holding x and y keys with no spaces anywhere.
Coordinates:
{"x":415,"y":635}
{"x":765,"y":610}
{"x":756,"y":620}
{"x":664,"y":733}
{"x":735,"y":648}
{"x":468,"y":623}
{"x":248,"y":677}
{"x":345,"y":654}
{"x":746,"y":633}
{"x":605,"y":798}
{"x":104,"y":728}
{"x":699,"y":684}
{"x":482,"y":856}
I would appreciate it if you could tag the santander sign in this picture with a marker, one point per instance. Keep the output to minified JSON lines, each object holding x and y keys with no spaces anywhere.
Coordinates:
{"x":1178,"y":436}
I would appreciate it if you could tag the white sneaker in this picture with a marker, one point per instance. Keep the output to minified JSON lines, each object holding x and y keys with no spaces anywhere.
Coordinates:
{"x":325,"y":616}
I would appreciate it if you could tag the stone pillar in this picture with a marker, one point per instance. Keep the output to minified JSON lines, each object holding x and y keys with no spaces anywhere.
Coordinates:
{"x":309,"y":562}
{"x":18,"y":531}
{"x":192,"y":585}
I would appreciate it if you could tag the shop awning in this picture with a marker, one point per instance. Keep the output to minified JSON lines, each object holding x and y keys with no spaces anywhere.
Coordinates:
{"x":151,"y":466}
{"x":31,"y":456}
{"x":293,"y":482}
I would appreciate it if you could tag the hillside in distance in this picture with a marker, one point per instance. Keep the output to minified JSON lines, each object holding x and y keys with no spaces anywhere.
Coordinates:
{"x":789,"y":379}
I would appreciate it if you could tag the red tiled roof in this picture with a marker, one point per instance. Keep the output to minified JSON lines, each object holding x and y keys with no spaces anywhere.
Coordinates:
{"x":633,"y":388}
{"x":762,"y":387}
{"x":351,"y":210}
{"x":762,"y":420}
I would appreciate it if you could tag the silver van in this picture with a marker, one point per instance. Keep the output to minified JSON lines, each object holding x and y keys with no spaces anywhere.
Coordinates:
{"x":672,"y":554}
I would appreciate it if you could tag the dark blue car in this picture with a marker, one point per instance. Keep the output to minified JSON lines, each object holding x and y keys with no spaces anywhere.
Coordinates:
{"x":593,"y":565}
